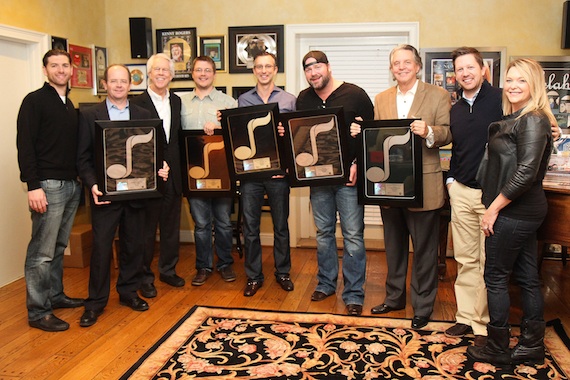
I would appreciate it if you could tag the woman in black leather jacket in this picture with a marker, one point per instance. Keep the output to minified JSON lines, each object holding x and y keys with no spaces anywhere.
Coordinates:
{"x":511,"y":178}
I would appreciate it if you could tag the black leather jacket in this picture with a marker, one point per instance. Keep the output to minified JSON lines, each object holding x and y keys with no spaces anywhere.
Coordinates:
{"x":516,"y":160}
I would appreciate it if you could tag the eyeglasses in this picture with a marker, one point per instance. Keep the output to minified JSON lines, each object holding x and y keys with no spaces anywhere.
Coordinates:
{"x":160,"y":70}
{"x":200,"y":71}
{"x":261,"y":67}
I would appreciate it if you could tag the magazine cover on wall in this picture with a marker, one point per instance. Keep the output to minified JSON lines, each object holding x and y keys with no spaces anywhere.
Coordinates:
{"x":180,"y":45}
{"x":246,"y":42}
{"x":81,"y":60}
{"x":438,"y":67}
{"x":99,"y":66}
{"x":389,"y":164}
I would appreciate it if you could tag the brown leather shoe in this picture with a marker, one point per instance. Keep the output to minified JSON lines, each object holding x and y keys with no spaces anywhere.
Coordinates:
{"x":49,"y":323}
{"x":354,"y":310}
{"x":228,"y":274}
{"x":286,"y":283}
{"x":319,"y":296}
{"x":201,"y":277}
{"x":480,"y":341}
{"x":252,"y":287}
{"x":458,"y":330}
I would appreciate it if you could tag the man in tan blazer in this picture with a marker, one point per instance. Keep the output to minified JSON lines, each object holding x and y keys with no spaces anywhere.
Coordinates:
{"x":412,"y":98}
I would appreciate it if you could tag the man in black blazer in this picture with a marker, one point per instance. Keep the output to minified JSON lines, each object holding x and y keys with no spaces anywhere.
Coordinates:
{"x":162,"y":104}
{"x":107,"y":216}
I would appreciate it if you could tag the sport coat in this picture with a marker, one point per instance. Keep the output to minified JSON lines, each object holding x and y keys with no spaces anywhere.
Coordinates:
{"x":432,"y":104}
{"x":172,"y":147}
{"x":86,"y":137}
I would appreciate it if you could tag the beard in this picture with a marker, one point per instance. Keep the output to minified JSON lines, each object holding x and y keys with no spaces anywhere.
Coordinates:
{"x":325,"y":79}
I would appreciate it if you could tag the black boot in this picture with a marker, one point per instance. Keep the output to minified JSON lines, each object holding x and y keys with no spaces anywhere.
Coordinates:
{"x":496,"y":351}
{"x":530,"y":349}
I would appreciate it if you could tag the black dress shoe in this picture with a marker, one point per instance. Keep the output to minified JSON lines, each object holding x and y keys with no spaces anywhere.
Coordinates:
{"x":49,"y":323}
{"x":286,"y":283}
{"x":148,"y":290}
{"x":383,"y":309}
{"x":354,"y":309}
{"x":135,"y":303}
{"x":419,"y":322}
{"x":67,"y":303}
{"x":252,"y":287}
{"x":89,"y":317}
{"x":173,"y":280}
{"x":319,"y":296}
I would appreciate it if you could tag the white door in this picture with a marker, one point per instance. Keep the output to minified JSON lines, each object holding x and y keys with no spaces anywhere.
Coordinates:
{"x":359,"y":54}
{"x":20,"y":73}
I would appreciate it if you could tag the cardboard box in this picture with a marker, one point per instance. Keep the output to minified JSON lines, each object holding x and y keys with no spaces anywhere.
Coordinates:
{"x":78,"y":252}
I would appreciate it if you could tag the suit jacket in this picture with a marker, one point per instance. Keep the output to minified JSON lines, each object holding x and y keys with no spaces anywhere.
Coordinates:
{"x":172,"y":147}
{"x":432,"y":104}
{"x":86,"y":136}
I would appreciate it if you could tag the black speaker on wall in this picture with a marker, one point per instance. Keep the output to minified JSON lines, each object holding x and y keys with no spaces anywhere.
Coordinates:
{"x":141,"y":37}
{"x":566,"y":26}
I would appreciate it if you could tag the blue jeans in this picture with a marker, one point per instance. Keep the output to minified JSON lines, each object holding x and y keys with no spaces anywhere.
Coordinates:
{"x":206,"y":211}
{"x":50,"y":234}
{"x":252,"y":192}
{"x":326,"y":201}
{"x":512,"y":249}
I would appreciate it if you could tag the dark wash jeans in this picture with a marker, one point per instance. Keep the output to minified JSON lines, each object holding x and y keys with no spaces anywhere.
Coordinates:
{"x":512,"y":250}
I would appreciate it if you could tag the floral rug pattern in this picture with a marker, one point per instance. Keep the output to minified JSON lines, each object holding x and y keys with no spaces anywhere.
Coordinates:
{"x":218,"y":343}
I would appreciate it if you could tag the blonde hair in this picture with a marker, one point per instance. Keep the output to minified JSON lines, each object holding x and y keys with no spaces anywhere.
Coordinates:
{"x":533,"y":73}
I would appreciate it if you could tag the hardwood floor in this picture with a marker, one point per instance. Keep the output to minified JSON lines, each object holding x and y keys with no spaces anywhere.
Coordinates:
{"x":107,"y":349}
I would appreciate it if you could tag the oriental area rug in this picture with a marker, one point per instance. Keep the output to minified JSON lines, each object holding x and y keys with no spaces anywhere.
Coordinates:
{"x":220,"y":343}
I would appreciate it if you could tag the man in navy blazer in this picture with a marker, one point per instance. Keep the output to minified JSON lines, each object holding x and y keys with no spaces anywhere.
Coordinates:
{"x":165,"y":211}
{"x":107,"y":216}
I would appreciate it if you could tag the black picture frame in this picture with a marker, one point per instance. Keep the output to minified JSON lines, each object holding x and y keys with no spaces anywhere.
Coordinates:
{"x":254,"y":150}
{"x":205,"y":171}
{"x":400,"y":183}
{"x":128,"y":154}
{"x":169,"y":40}
{"x":315,"y":146}
{"x":214,"y":47}
{"x":59,"y":43}
{"x":438,"y":67}
{"x":245,"y":42}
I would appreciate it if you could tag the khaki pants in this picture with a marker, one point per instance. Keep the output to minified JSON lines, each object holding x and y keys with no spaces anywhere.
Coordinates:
{"x":469,"y":251}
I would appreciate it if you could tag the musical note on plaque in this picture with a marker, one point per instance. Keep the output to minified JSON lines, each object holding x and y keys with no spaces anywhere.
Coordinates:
{"x":198,"y":172}
{"x":245,"y":152}
{"x":377,"y":174}
{"x":308,"y":159}
{"x":118,"y":171}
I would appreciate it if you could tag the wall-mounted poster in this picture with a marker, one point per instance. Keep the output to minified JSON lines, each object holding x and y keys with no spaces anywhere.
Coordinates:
{"x":81,"y":60}
{"x":248,"y":41}
{"x":213,"y":47}
{"x":180,"y":45}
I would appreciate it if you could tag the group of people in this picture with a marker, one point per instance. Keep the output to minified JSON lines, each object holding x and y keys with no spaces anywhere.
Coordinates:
{"x":501,"y":146}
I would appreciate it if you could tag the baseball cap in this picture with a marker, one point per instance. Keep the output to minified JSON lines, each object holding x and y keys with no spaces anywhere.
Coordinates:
{"x":318,"y":55}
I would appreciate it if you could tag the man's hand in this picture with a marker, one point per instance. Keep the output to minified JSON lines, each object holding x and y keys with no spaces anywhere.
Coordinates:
{"x":352,"y":175}
{"x":37,"y":200}
{"x":96,"y":194}
{"x":355,"y":128}
{"x":420,"y":128}
{"x":209,"y":127}
{"x":280,"y":129}
{"x":163,"y":172}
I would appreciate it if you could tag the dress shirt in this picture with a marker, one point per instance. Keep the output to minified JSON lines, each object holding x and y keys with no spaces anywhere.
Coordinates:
{"x":196,"y":112}
{"x":117,"y":114}
{"x":162,"y":106}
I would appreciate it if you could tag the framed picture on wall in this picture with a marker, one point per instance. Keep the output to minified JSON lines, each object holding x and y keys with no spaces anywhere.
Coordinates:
{"x":59,"y":43}
{"x":556,"y":76}
{"x":128,"y":155}
{"x":213,"y":47}
{"x":245,"y":42}
{"x":99,"y":66}
{"x":139,"y":77}
{"x":389,"y":164}
{"x":438,"y":67}
{"x":82,"y":61}
{"x":205,"y":166}
{"x":180,"y":45}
